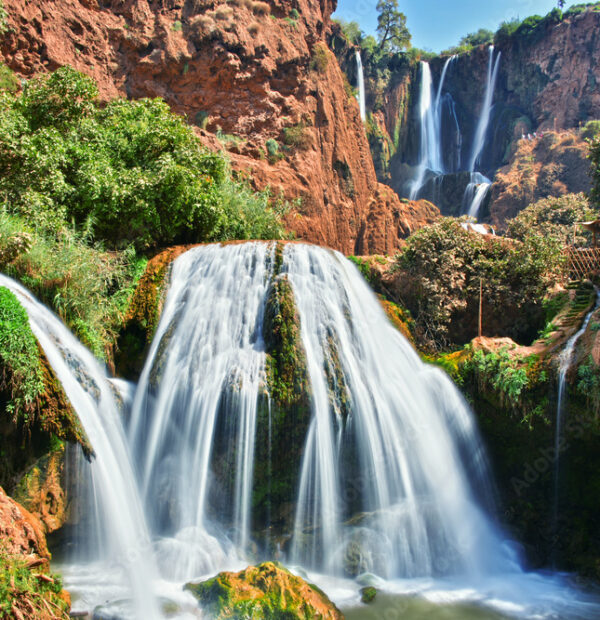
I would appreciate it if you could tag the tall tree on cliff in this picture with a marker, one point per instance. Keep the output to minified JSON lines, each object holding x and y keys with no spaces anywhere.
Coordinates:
{"x":391,"y":27}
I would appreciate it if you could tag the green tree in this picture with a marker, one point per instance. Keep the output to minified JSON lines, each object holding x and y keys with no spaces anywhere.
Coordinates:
{"x":481,"y":37}
{"x":394,"y":36}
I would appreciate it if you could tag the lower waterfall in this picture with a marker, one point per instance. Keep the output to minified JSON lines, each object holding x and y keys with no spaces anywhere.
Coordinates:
{"x":361,"y":464}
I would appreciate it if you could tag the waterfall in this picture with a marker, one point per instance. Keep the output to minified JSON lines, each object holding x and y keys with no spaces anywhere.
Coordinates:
{"x":408,"y":436}
{"x":430,"y":115}
{"x":200,"y":386}
{"x":565,"y":360}
{"x":475,"y":194}
{"x":126,"y":541}
{"x":486,"y":109}
{"x":361,"y":87}
{"x":479,"y":186}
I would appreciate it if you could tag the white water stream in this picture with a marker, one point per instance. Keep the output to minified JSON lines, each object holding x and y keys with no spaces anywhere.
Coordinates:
{"x":396,"y":484}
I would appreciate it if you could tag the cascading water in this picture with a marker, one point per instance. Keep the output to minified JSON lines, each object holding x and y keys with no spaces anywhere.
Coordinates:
{"x":565,"y":361}
{"x":204,"y":379}
{"x":124,"y":536}
{"x":201,"y":385}
{"x":430,"y":114}
{"x":479,"y":186}
{"x":475,"y":194}
{"x":393,"y":479}
{"x":411,"y":477}
{"x":361,"y":87}
{"x":486,"y":109}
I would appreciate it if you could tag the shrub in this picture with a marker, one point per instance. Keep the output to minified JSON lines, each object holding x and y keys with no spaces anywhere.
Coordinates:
{"x":20,"y":368}
{"x":291,"y":22}
{"x":294,"y":14}
{"x":254,"y":28}
{"x":223,"y":13}
{"x":443,"y":266}
{"x":261,"y":8}
{"x":591,"y":130}
{"x":554,"y":218}
{"x":131,"y":172}
{"x":297,"y":136}
{"x":320,"y":58}
{"x":9,"y":82}
{"x":177,"y":26}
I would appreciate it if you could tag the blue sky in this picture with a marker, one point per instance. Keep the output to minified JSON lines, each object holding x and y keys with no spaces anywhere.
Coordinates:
{"x":438,"y":24}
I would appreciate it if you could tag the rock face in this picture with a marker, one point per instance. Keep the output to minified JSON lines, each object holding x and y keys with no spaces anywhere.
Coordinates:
{"x":547,"y":80}
{"x":256,"y":78}
{"x":553,"y":165}
{"x":265,"y":591}
{"x":20,"y":532}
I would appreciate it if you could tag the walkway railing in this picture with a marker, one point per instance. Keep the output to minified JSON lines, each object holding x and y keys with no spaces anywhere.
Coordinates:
{"x":583,"y":262}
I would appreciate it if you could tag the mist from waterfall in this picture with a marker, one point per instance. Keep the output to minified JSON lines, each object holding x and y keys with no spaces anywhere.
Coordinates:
{"x":361,"y":87}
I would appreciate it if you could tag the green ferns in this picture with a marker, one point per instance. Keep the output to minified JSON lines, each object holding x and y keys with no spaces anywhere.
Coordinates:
{"x":21,"y":372}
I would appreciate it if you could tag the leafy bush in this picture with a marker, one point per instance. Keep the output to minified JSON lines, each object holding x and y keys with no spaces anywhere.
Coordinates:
{"x":8,"y":80}
{"x":595,"y":159}
{"x":443,"y":265}
{"x":351,"y":31}
{"x":20,"y":368}
{"x":88,"y":287}
{"x":297,"y":136}
{"x":591,"y":130}
{"x":554,"y":218}
{"x":320,"y":58}
{"x":294,"y":14}
{"x":129,"y":173}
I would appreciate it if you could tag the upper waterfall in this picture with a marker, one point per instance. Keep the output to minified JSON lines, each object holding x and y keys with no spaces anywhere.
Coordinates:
{"x":361,"y":87}
{"x":486,"y":109}
{"x":430,"y":115}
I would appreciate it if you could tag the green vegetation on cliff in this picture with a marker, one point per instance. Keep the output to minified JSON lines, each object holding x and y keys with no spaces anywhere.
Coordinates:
{"x":20,"y":368}
{"x":29,"y":592}
{"x":130,"y":172}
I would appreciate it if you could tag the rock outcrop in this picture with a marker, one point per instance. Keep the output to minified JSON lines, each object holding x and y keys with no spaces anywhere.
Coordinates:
{"x":20,"y":532}
{"x":554,"y":164}
{"x":265,"y":591}
{"x":256,"y":78}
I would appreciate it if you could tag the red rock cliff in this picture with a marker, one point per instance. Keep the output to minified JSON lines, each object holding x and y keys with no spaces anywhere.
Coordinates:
{"x":259,"y":71}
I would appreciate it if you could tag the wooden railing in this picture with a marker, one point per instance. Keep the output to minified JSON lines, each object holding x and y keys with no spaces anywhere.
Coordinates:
{"x":583,"y":262}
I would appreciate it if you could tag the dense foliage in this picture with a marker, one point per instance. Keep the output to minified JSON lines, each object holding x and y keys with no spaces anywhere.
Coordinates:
{"x":444,"y":267}
{"x":129,"y":172}
{"x":20,"y":368}
{"x":555,"y":218}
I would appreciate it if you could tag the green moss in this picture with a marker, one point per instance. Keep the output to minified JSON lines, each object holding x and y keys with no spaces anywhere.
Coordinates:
{"x":368,"y":595}
{"x":33,"y":593}
{"x":268,"y":592}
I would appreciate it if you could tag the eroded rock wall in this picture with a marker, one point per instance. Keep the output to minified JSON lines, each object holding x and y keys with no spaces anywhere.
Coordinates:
{"x":256,"y":78}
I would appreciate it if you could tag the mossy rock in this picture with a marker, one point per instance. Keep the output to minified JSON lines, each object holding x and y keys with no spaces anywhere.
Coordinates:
{"x":143,"y":314}
{"x":367,"y":595}
{"x":268,"y":591}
